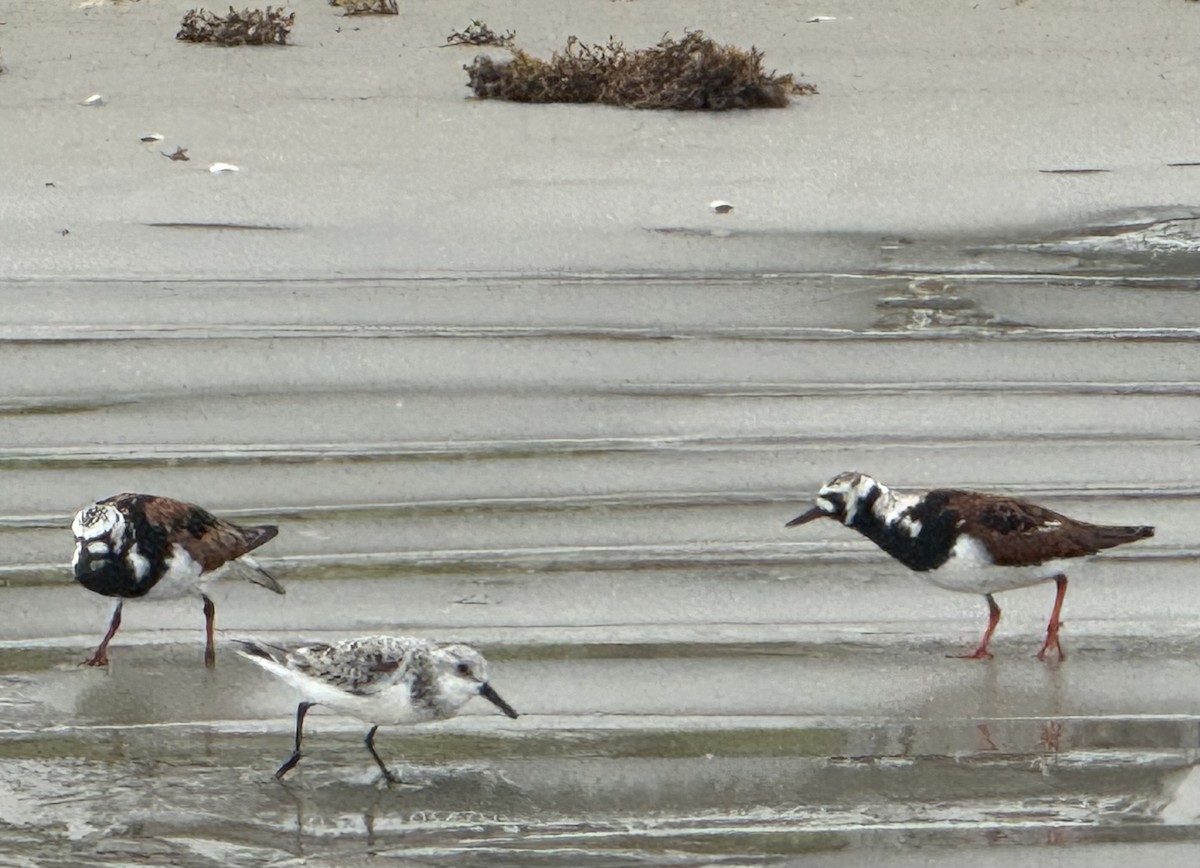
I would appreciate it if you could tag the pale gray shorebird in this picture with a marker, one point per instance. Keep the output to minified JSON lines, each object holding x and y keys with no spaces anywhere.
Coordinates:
{"x":141,"y":546}
{"x":383,"y":680}
{"x":969,"y":541}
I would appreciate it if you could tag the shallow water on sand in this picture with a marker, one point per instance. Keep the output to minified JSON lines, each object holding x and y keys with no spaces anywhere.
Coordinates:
{"x":589,"y":480}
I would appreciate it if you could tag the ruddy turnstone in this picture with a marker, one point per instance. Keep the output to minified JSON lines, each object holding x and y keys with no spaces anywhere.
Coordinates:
{"x":141,"y":546}
{"x":384,"y":680}
{"x":969,"y":541}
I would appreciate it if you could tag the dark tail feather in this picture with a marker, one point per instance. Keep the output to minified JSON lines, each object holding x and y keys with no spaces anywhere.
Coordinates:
{"x":1115,"y":536}
{"x":247,"y":568}
{"x":256,"y":536}
{"x":261,"y":649}
{"x":264,"y":579}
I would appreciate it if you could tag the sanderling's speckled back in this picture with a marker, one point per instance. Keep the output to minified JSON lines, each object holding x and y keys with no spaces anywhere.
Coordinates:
{"x":384,"y":680}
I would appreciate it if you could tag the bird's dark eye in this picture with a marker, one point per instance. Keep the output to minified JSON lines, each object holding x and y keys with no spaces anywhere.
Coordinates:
{"x":463,"y":669}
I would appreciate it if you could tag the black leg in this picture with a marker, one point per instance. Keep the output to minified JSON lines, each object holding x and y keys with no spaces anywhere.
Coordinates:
{"x":301,"y":710}
{"x":100,"y":658}
{"x":370,"y":742}
{"x":210,"y":652}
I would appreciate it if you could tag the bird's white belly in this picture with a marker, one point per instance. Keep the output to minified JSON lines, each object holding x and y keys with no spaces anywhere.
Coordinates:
{"x":970,"y":571}
{"x":182,"y":579}
{"x":387,"y":708}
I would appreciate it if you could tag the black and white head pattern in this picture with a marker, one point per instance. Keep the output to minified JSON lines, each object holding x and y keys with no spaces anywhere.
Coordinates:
{"x":846,"y":495}
{"x":865,"y":504}
{"x":100,"y":533}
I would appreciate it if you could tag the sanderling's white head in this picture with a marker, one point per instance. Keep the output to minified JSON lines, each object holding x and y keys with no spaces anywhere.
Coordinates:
{"x":462,"y":674}
{"x":99,"y":530}
{"x":843,"y":498}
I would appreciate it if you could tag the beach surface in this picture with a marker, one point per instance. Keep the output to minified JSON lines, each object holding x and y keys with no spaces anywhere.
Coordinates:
{"x":500,"y":375}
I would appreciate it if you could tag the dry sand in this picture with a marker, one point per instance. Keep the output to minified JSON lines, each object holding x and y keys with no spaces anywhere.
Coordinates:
{"x":360,"y":140}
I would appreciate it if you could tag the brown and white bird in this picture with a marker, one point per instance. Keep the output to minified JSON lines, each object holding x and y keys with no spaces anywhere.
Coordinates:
{"x":140,"y":546}
{"x":969,"y":541}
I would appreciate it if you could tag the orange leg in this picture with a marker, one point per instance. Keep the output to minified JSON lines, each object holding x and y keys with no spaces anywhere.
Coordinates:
{"x":1055,"y":623}
{"x":982,"y":652}
{"x":1052,"y":736}
{"x":210,"y":652}
{"x":100,"y":658}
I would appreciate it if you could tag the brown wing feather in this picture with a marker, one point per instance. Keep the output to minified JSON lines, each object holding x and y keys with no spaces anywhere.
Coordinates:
{"x":209,"y":540}
{"x":1016,"y":532}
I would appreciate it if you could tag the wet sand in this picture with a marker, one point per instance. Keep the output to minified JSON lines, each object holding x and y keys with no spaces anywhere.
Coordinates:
{"x":594,"y":493}
{"x":471,"y":423}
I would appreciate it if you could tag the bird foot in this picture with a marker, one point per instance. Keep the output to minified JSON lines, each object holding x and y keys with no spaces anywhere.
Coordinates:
{"x":1051,"y":739}
{"x":392,"y":778}
{"x":287,"y":766}
{"x":986,"y":734}
{"x":1052,"y":642}
{"x":1062,"y":655}
{"x":96,"y":659}
{"x":980,"y":653}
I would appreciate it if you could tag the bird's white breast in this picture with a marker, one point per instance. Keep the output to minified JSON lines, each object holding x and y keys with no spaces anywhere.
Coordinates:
{"x":388,"y":708}
{"x":181,"y":579}
{"x":971,"y":570}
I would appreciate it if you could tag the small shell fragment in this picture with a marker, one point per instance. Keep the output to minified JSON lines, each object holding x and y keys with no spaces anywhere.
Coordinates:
{"x":817,"y":19}
{"x":720,"y":206}
{"x":150,"y":138}
{"x":94,"y":100}
{"x":218,"y":168}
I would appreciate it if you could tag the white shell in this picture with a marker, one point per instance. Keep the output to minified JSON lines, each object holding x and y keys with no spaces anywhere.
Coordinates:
{"x":720,"y":206}
{"x":817,"y":19}
{"x":94,"y":99}
{"x":152,"y":137}
{"x":218,"y":168}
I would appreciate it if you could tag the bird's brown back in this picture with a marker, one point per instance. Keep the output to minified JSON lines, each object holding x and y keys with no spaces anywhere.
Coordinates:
{"x":209,"y":540}
{"x":1016,"y":532}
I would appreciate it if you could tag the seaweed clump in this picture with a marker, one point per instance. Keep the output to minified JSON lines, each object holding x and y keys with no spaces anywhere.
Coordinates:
{"x":248,"y":27}
{"x":367,"y":7}
{"x":478,"y":33}
{"x":689,"y":74}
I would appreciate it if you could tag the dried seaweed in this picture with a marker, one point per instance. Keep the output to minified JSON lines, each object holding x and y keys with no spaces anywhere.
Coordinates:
{"x":478,"y":33}
{"x":367,"y":7}
{"x":248,"y":27}
{"x":690,"y":74}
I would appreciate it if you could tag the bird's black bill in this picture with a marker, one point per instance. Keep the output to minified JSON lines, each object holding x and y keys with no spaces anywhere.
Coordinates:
{"x":812,"y":515}
{"x":494,"y":698}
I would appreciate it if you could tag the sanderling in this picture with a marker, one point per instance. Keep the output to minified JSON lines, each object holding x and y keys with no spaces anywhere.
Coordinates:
{"x":135,"y":546}
{"x":969,"y":541}
{"x":383,"y":680}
